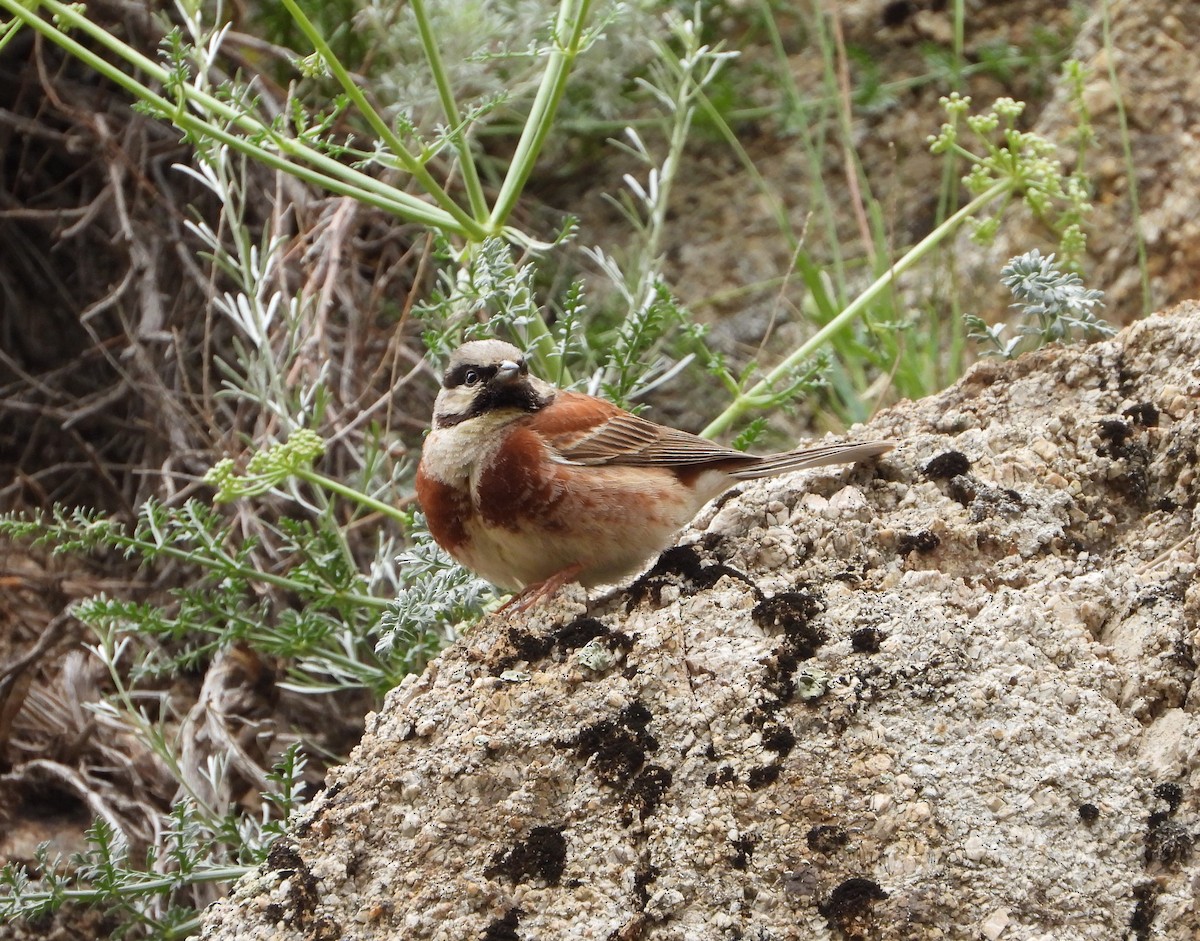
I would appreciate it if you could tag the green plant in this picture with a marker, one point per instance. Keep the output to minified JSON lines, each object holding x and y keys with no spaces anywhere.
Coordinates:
{"x":1054,"y":304}
{"x":179,"y":92}
{"x":1131,"y":163}
{"x":155,"y":896}
{"x":627,"y":351}
{"x":273,"y":573}
{"x":1007,"y":164}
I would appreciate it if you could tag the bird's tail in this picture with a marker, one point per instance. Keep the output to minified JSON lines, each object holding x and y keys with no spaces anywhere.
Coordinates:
{"x":845,"y":453}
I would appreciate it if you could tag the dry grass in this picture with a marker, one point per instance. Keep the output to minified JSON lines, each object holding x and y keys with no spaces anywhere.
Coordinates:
{"x":110,"y":381}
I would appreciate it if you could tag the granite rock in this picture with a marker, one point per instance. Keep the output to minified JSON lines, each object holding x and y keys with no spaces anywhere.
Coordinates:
{"x":951,"y":694}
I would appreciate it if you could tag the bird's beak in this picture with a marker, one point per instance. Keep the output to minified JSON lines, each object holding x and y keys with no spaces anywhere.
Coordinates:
{"x":507,"y":373}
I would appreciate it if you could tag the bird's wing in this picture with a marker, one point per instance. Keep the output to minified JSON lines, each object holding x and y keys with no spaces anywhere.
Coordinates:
{"x":582,"y":429}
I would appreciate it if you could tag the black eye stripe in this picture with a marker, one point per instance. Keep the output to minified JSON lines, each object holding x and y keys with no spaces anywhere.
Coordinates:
{"x":458,"y":375}
{"x":488,"y":397}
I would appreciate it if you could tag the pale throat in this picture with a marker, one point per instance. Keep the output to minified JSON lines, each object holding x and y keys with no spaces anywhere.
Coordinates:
{"x":456,"y":454}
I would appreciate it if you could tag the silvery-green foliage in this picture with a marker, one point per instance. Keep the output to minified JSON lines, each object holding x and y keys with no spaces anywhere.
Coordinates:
{"x":438,"y":595}
{"x":1053,"y":305}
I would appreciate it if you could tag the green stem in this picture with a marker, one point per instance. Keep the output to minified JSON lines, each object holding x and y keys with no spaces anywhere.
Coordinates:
{"x":89,"y":896}
{"x":226,"y":564}
{"x":184,"y":929}
{"x":355,"y":496}
{"x":815,"y":138}
{"x":761,"y":392}
{"x":1131,"y":166}
{"x":572,"y":15}
{"x":765,"y":190}
{"x":329,"y":174}
{"x":540,"y":342}
{"x":688,"y":93}
{"x":378,"y":124}
{"x":7,"y":32}
{"x":454,"y":121}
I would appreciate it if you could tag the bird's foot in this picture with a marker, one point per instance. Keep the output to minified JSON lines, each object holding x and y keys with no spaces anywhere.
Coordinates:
{"x":538,"y":592}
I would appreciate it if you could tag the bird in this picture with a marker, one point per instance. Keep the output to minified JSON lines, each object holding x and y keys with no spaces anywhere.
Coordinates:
{"x":533,"y":487}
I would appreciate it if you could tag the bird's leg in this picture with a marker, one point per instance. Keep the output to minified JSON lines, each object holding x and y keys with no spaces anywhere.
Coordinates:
{"x":535,"y":594}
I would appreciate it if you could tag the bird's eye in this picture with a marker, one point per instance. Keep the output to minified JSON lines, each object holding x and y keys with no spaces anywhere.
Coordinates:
{"x":470,"y":377}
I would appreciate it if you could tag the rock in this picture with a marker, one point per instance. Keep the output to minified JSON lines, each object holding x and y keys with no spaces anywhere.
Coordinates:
{"x":958,"y":699}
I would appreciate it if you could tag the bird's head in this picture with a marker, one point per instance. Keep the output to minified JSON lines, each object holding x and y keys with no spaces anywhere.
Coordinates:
{"x":487,"y":377}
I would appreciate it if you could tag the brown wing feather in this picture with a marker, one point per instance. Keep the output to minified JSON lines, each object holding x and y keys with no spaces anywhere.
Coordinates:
{"x":586,"y":430}
{"x":582,"y":429}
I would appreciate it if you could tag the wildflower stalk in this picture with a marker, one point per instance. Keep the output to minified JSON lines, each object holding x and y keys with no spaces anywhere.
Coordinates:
{"x":454,"y":121}
{"x":761,"y":393}
{"x":411,"y":164}
{"x":355,"y":496}
{"x":568,"y":43}
{"x":271,"y":467}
